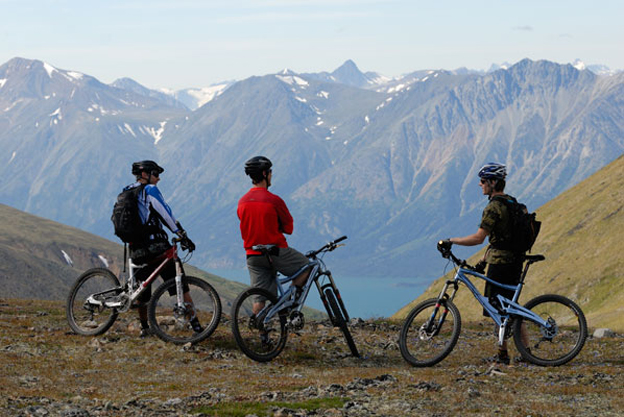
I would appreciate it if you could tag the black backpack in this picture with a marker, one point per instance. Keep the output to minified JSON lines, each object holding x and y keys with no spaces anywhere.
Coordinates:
{"x":126,"y":218}
{"x":524,"y":226}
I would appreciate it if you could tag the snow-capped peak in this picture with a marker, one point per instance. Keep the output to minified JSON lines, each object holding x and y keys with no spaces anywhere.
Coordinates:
{"x":579,"y":65}
{"x":49,"y":69}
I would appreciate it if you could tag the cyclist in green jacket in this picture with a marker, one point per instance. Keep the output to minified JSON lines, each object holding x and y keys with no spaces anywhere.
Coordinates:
{"x":504,"y":266}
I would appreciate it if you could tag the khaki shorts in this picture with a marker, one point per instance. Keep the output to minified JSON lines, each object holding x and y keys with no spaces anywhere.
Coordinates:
{"x":261,"y":274}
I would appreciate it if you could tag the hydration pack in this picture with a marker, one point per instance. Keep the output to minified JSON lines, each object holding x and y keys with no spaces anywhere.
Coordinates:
{"x":524,"y":226}
{"x":126,"y":218}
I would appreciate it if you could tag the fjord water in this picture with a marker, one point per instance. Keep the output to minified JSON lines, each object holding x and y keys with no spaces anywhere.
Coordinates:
{"x":364,"y":297}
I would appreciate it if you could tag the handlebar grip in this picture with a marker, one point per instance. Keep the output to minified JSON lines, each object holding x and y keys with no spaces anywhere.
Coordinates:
{"x":340,"y":239}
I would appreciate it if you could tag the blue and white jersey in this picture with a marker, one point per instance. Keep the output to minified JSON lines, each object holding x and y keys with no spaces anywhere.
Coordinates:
{"x":151,"y":197}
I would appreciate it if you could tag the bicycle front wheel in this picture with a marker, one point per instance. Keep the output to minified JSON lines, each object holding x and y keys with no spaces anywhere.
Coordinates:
{"x":430,"y":332}
{"x":191,"y":322}
{"x":86,"y":313}
{"x":558,"y":343}
{"x":338,"y":320}
{"x":259,"y":338}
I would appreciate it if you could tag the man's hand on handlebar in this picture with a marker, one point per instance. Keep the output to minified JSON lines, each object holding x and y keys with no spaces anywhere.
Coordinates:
{"x":185,"y":242}
{"x":444,"y":246}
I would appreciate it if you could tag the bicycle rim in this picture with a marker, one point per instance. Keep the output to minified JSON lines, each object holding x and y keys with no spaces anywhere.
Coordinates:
{"x":260,"y":339}
{"x":426,"y":337}
{"x":92,"y":318}
{"x":190,"y":323}
{"x":561,"y":342}
{"x":339,"y":321}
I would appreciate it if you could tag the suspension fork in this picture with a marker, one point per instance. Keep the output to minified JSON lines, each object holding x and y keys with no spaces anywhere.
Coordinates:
{"x":332,"y":285}
{"x":443,"y":298}
{"x":178,"y":282}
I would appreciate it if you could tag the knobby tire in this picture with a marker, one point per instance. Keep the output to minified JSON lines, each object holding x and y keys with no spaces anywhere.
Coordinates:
{"x":552,"y":348}
{"x":423,"y":345}
{"x":248,"y":331}
{"x":90,"y":320}
{"x":175,"y":326}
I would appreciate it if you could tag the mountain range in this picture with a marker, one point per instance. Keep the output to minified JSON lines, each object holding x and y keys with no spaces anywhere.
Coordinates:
{"x":391,"y":163}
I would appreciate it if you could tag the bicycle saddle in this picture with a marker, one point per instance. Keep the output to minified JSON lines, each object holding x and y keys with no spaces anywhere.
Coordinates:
{"x":270,"y":249}
{"x":534,"y":258}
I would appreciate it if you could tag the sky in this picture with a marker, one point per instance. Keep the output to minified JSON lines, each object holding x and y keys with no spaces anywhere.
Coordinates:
{"x":179,"y":44}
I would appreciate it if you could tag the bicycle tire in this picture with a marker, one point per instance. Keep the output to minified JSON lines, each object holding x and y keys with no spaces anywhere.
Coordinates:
{"x":422,"y":347}
{"x":175,"y":326}
{"x":564,"y":343}
{"x":248,"y":332}
{"x":90,"y":320}
{"x":339,"y":321}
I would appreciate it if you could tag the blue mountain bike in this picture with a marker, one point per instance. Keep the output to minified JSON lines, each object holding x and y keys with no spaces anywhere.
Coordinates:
{"x":549,"y":330}
{"x":262,"y":335}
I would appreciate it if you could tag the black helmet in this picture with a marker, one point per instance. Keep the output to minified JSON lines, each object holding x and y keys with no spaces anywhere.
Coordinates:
{"x":146,"y":166}
{"x":257,"y":165}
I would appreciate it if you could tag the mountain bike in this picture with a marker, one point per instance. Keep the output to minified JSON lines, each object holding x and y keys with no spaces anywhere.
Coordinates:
{"x":262,"y":336}
{"x":555,"y":326}
{"x":97,"y":297}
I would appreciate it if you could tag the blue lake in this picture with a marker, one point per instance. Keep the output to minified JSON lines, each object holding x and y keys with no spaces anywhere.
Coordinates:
{"x":364,"y":297}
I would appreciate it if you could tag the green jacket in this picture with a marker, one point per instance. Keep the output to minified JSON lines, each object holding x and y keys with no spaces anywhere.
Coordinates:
{"x":495,"y":220}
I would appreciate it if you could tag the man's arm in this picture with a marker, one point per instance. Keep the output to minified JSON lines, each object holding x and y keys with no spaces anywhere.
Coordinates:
{"x":471,"y":240}
{"x":284,"y":217}
{"x":156,"y":200}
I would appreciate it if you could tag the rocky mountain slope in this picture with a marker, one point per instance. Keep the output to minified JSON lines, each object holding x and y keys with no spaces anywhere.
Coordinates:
{"x":393,"y":168}
{"x":41,"y":259}
{"x":581,"y":238}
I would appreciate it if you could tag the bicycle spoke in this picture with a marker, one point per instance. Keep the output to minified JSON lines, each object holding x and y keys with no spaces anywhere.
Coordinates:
{"x":429,"y":333}
{"x":563,"y":337}
{"x":192,"y":321}
{"x":86,"y":312}
{"x":259,"y":338}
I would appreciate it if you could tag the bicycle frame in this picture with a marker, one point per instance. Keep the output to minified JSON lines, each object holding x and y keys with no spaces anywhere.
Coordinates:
{"x":170,"y":255}
{"x":509,"y":307}
{"x":286,"y":298}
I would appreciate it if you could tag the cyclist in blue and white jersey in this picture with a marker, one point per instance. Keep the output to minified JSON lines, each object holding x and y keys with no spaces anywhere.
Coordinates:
{"x":154,"y":213}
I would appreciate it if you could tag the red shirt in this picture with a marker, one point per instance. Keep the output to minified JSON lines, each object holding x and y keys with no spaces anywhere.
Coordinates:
{"x":264,"y":218}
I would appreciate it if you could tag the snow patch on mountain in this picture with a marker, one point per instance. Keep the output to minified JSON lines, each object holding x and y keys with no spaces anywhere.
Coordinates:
{"x":75,"y":75}
{"x":2,"y":82}
{"x":293,"y":80}
{"x":156,"y":133}
{"x":49,"y":69}
{"x":67,"y":258}
{"x":104,"y":260}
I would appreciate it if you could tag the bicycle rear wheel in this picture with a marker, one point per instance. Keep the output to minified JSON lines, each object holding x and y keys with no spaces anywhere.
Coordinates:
{"x":561,"y":342}
{"x":190,"y":323}
{"x":338,"y":320}
{"x":258,"y":338}
{"x":86,"y":313}
{"x":430,"y":333}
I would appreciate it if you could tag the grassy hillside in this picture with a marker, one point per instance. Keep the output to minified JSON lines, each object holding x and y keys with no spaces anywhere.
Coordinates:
{"x":32,"y":263}
{"x":581,"y":238}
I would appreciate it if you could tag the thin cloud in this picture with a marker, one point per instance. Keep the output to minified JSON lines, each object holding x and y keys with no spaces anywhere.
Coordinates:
{"x":525,"y":28}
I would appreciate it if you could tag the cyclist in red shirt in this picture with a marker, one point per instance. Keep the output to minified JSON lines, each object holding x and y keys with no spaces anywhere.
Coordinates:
{"x":264,"y":219}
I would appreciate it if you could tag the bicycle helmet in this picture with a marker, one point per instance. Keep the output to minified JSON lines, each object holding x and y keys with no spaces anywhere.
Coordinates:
{"x":255,"y":166}
{"x":493,"y":171}
{"x":146,"y":166}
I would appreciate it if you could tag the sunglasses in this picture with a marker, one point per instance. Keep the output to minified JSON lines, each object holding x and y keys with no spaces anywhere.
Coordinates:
{"x":155,"y":174}
{"x":483,"y":181}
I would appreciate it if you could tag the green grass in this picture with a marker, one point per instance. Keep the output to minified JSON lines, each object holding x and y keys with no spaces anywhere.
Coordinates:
{"x":241,"y":409}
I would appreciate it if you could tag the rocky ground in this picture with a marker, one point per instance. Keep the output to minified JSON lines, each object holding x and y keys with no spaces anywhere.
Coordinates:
{"x":48,"y":371}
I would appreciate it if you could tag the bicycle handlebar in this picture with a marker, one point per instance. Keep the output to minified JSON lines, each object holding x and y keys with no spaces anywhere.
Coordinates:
{"x":330,"y":246}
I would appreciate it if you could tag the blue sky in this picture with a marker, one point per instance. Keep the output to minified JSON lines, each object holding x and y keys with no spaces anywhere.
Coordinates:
{"x":194,"y":43}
